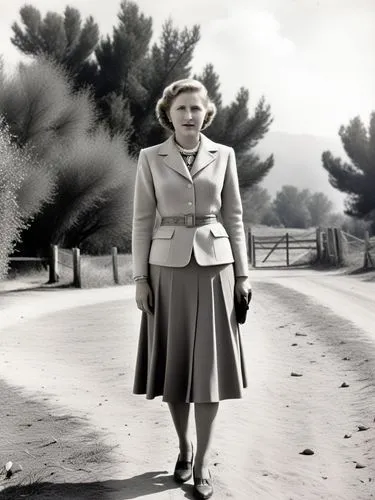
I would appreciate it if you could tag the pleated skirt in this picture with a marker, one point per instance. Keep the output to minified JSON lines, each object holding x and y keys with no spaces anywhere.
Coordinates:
{"x":190,"y":348}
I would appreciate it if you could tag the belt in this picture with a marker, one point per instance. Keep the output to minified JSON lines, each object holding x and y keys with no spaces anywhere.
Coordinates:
{"x":189,"y":220}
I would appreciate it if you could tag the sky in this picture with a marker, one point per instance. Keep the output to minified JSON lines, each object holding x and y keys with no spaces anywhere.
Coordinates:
{"x":313,"y":61}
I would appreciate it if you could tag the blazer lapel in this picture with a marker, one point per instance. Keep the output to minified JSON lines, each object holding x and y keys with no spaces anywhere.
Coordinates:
{"x":206,"y":155}
{"x":172,"y":157}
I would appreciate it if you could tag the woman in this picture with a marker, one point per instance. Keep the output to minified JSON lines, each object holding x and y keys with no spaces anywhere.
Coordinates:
{"x":187,"y":267}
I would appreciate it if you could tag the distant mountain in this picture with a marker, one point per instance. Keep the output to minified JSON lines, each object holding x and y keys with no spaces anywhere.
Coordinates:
{"x":298,"y":163}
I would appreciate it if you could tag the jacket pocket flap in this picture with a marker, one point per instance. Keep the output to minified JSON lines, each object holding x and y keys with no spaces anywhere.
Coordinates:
{"x":164,"y":233}
{"x":219,"y":232}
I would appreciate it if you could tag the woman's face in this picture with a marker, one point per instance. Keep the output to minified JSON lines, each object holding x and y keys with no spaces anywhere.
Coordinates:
{"x":187,"y":113}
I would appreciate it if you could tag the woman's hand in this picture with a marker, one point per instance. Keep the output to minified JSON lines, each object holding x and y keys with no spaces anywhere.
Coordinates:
{"x":242,"y":287}
{"x":144,"y":297}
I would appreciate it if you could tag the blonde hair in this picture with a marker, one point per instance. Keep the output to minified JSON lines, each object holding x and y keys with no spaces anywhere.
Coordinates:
{"x":172,"y":91}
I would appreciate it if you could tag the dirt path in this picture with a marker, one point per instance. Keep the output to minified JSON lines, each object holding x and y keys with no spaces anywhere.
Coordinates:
{"x":75,"y":349}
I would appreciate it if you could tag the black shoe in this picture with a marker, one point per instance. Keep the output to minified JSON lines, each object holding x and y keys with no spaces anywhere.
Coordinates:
{"x":183,"y":469}
{"x":203,"y":487}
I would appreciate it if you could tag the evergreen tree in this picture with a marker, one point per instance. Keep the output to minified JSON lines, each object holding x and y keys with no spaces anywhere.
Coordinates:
{"x":169,"y":60}
{"x":62,"y":39}
{"x":116,"y":73}
{"x":235,"y":127}
{"x":356,"y":179}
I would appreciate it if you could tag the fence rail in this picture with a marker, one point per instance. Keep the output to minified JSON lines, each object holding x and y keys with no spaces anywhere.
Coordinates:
{"x":290,"y":245}
{"x":70,"y":258}
{"x":329,"y":245}
{"x":325,"y":244}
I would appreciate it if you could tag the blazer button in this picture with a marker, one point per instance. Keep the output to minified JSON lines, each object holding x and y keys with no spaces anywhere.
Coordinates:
{"x":189,"y":186}
{"x":190,"y":203}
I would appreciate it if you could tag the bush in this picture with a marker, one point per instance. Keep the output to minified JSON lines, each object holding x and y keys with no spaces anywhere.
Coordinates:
{"x":19,"y":200}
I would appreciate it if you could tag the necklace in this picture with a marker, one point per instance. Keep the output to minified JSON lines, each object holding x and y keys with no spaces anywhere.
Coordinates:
{"x":188,"y":155}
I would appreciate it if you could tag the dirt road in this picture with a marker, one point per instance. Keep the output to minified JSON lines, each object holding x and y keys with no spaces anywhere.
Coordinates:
{"x":75,"y":350}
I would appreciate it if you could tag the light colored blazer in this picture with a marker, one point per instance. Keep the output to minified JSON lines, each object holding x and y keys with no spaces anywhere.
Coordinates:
{"x":164,"y":186}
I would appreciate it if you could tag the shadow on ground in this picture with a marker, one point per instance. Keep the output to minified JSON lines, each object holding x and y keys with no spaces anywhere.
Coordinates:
{"x":149,"y":483}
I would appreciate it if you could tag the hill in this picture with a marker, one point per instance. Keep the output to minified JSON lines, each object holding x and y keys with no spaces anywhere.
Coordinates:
{"x":298,"y":162}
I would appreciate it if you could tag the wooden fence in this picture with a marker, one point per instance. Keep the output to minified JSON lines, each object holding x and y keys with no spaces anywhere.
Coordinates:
{"x":324,"y":245}
{"x":70,"y":258}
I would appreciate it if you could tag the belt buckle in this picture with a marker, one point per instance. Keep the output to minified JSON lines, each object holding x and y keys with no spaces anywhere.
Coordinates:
{"x":189,"y":220}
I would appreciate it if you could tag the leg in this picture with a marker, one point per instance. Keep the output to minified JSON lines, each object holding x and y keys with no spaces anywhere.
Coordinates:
{"x":205,"y":414}
{"x":180,"y":416}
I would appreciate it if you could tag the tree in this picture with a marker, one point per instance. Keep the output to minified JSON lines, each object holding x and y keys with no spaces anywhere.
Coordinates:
{"x":290,"y":206}
{"x":356,"y":179}
{"x":128,"y":77}
{"x":59,"y":127}
{"x":256,"y":202}
{"x":62,"y":39}
{"x":320,"y":208}
{"x":236,"y":128}
{"x":169,"y":60}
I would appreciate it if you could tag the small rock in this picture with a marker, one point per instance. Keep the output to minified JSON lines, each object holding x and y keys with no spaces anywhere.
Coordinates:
{"x":347,"y":436}
{"x":363,"y":428}
{"x":344,"y":384}
{"x":360,"y":466}
{"x":324,"y":477}
{"x":11,"y":468}
{"x":295,"y":374}
{"x":307,"y":451}
{"x":293,"y":345}
{"x":301,"y":334}
{"x":346,"y":358}
{"x":310,"y":343}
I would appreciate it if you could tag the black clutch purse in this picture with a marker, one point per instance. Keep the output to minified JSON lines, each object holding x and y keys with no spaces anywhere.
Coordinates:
{"x":241,"y":307}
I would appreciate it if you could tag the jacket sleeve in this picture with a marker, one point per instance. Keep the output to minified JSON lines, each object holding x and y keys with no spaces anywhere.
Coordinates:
{"x":144,"y":211}
{"x":231,"y":211}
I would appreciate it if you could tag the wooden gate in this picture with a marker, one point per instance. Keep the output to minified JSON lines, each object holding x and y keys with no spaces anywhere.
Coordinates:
{"x":283,"y":250}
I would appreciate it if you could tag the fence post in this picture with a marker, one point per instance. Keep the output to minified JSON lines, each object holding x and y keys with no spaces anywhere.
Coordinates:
{"x":287,"y":249}
{"x":54,"y":264}
{"x":339,"y":245}
{"x":331,"y":244}
{"x":319,"y":252}
{"x":253,"y":250}
{"x":115,"y":265}
{"x":367,"y":250}
{"x":77,"y":268}
{"x":249,"y":249}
